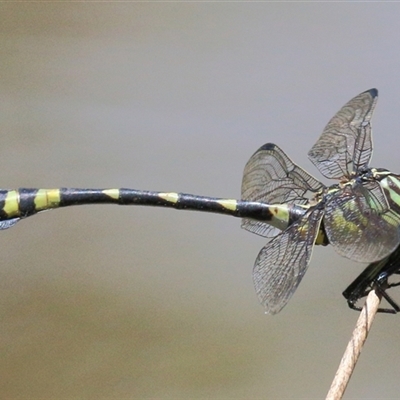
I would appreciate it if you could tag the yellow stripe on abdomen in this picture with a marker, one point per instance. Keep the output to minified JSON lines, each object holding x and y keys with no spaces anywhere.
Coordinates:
{"x":47,"y":198}
{"x":228,"y":204}
{"x":11,"y":203}
{"x":280,"y":215}
{"x":113,"y":193}
{"x":171,"y":197}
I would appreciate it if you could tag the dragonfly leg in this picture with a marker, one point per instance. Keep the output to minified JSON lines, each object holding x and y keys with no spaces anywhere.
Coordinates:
{"x":381,"y":288}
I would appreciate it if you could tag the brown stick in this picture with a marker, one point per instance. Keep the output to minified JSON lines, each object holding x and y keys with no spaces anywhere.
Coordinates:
{"x":353,"y":350}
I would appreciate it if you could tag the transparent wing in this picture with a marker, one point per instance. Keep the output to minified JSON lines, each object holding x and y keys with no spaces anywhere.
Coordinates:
{"x":282,"y":263}
{"x":8,"y":223}
{"x":271,"y":177}
{"x":359,"y":223}
{"x":338,"y":148}
{"x":362,"y":148}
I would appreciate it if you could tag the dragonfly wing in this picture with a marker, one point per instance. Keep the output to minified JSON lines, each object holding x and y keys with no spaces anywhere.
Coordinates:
{"x":271,"y":177}
{"x":282,"y":263}
{"x":359,"y":224}
{"x":338,"y":147}
{"x":362,"y":147}
{"x":8,"y":223}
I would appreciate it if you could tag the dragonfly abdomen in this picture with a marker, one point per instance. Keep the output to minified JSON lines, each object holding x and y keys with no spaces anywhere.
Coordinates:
{"x":22,"y":203}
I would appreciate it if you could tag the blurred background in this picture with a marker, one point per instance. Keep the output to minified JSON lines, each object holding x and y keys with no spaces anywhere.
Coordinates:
{"x":133,"y":302}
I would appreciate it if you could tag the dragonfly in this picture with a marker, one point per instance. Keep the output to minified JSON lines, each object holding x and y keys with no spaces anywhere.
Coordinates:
{"x":359,"y":215}
{"x":376,"y":276}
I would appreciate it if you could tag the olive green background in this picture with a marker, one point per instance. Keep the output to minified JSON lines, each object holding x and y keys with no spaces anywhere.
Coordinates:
{"x":138,"y":303}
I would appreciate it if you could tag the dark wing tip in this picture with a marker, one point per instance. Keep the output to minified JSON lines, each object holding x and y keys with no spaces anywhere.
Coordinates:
{"x":373,"y":92}
{"x":267,"y":146}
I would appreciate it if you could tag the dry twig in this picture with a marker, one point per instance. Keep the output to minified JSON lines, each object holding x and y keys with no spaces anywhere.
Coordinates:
{"x":353,"y":350}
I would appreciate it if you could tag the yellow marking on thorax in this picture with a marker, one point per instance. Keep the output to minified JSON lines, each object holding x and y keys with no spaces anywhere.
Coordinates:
{"x":393,"y":195}
{"x":47,"y":198}
{"x":171,"y":197}
{"x":228,"y":204}
{"x":378,"y":174}
{"x":11,"y":203}
{"x":113,"y":193}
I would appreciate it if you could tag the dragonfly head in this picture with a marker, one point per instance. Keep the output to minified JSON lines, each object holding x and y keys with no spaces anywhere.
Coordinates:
{"x":368,"y":174}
